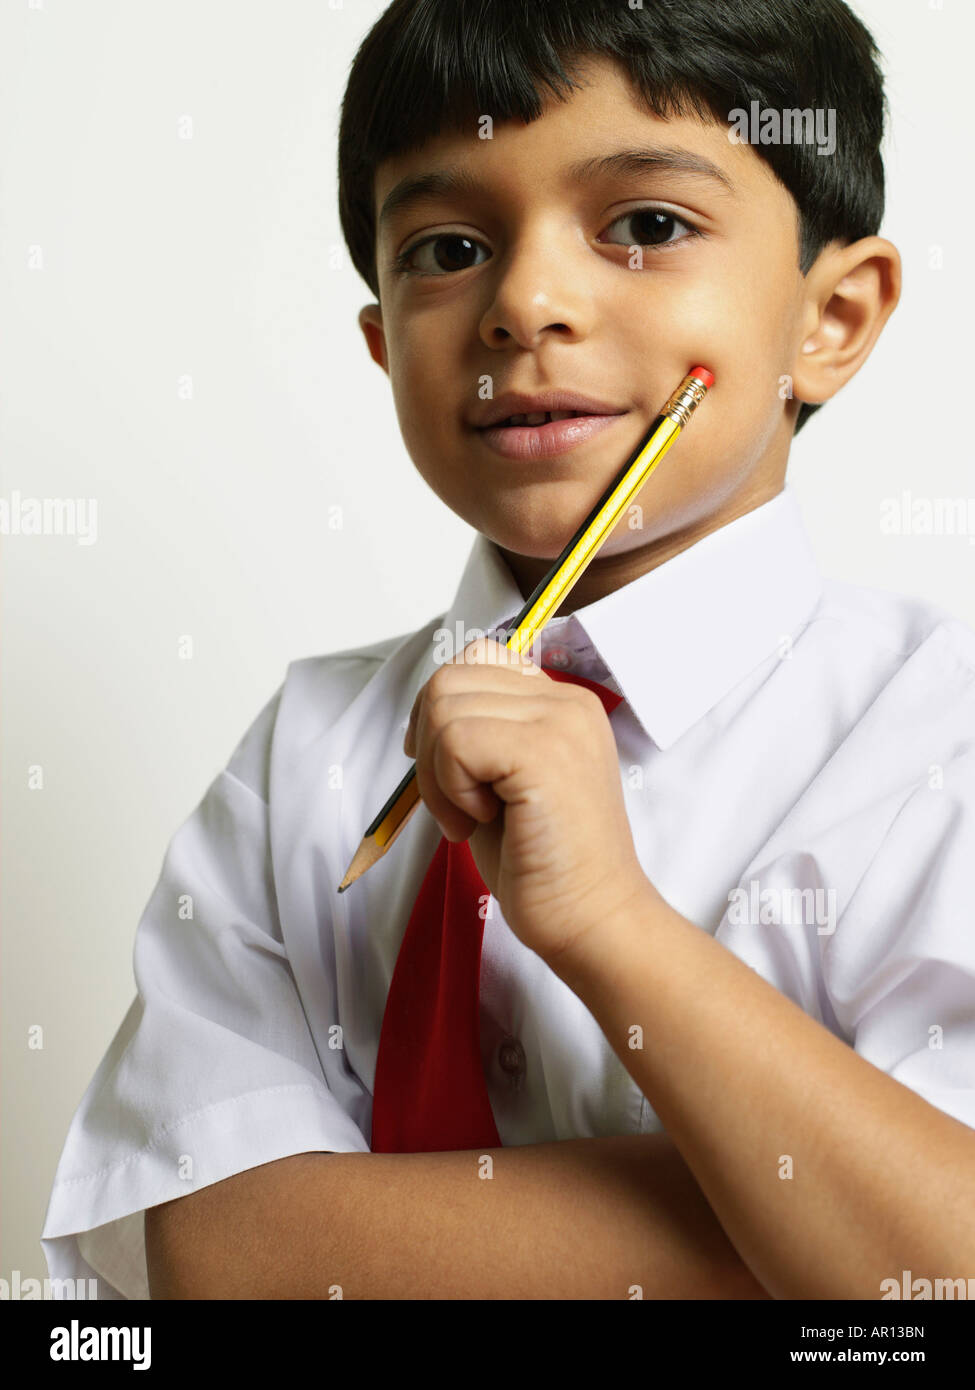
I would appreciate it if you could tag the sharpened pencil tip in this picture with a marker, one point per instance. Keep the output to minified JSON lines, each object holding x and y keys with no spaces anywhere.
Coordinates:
{"x":364,"y":857}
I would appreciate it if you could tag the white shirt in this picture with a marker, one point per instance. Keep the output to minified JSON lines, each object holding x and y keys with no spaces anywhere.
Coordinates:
{"x":780,"y":732}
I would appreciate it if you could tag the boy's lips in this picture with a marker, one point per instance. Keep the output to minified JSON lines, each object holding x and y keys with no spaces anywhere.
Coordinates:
{"x":520,"y":403}
{"x":544,"y":441}
{"x":585,"y":416}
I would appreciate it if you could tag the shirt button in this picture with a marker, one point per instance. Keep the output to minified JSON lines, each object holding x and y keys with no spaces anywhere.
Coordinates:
{"x":559,"y":657}
{"x":511,"y":1060}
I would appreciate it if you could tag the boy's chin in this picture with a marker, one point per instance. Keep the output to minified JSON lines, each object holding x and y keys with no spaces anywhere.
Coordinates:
{"x":530,"y":545}
{"x":546,"y":544}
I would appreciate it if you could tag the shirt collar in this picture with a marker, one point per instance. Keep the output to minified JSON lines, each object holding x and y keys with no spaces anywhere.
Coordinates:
{"x":680,"y":637}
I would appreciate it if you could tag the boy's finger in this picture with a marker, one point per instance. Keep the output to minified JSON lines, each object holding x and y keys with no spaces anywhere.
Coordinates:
{"x":457,"y":822}
{"x":456,"y":763}
{"x":429,"y":715}
{"x":494,"y":672}
{"x":467,"y":757}
{"x":488,"y":651}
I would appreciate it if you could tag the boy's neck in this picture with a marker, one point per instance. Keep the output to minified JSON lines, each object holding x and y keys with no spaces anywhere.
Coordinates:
{"x":607,"y":573}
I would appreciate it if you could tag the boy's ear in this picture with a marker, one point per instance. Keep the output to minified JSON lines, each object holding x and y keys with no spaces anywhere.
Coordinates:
{"x":850,"y":293}
{"x":371,"y":323}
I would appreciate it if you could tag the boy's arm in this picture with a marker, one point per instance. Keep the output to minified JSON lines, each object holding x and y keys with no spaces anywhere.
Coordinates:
{"x":828,"y":1175}
{"x":579,"y":1218}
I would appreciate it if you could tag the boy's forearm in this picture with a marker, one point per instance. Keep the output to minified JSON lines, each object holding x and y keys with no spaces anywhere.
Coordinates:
{"x":829,"y":1176}
{"x":582,"y":1218}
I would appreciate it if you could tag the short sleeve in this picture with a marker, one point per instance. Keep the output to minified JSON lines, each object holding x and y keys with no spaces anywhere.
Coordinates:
{"x":214,"y":1069}
{"x":900,"y":969}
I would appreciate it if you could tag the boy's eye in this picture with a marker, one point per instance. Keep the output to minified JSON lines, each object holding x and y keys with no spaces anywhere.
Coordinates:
{"x":653,"y":227}
{"x":453,"y":255}
{"x":451,"y":251}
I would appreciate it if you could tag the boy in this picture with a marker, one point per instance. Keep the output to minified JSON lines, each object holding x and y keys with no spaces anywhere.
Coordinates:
{"x":708,"y":1093}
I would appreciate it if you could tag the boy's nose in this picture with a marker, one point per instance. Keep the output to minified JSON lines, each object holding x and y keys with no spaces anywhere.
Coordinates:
{"x":534,"y":293}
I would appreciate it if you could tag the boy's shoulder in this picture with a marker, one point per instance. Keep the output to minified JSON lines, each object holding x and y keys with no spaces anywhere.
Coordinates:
{"x":329,"y":682}
{"x":900,"y":625}
{"x":317,"y":692}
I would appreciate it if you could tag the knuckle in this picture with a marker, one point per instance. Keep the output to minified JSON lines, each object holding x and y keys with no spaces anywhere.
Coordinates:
{"x":591,"y":704}
{"x":450,"y":740}
{"x":437,"y":711}
{"x":439,"y":681}
{"x":475,"y":649}
{"x":565,"y":748}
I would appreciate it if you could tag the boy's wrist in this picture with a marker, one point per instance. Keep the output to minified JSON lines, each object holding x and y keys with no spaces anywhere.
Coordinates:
{"x":613,"y":937}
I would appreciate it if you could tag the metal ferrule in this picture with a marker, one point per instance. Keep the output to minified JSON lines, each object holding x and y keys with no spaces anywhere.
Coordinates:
{"x":685,"y":400}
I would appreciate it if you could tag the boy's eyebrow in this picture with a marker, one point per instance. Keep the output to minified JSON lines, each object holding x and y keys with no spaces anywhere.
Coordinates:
{"x":441,"y":183}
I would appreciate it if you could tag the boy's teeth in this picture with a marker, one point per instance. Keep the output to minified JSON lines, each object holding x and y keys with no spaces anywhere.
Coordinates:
{"x":540,"y":417}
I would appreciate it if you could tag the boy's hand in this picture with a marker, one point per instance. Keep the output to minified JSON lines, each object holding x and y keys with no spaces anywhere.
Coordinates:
{"x":530,"y":766}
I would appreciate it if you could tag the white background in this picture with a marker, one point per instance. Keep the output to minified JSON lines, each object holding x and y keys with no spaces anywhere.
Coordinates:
{"x":221,"y":258}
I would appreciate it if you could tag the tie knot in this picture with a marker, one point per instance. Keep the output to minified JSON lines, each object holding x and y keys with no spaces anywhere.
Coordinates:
{"x":609,"y":697}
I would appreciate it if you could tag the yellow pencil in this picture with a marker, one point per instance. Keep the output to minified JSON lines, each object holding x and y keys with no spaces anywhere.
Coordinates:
{"x":548,"y":595}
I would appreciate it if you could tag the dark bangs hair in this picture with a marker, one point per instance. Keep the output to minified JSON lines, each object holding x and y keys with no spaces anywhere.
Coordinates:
{"x":434,"y":66}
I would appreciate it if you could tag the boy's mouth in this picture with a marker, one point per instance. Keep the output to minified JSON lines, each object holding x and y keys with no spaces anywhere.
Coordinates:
{"x":547,"y":438}
{"x":523,"y":427}
{"x":514,"y":409}
{"x":541,"y":417}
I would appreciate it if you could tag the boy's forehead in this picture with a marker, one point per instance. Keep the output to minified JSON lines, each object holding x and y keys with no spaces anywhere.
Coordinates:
{"x":603,"y":128}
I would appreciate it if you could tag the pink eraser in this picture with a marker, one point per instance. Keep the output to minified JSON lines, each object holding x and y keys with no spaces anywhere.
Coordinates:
{"x":704,"y":375}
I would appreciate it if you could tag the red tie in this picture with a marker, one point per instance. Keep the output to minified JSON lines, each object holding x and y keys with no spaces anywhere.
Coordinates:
{"x":430,"y":1093}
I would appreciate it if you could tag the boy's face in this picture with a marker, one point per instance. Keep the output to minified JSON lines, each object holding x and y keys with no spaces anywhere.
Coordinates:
{"x":546,"y":293}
